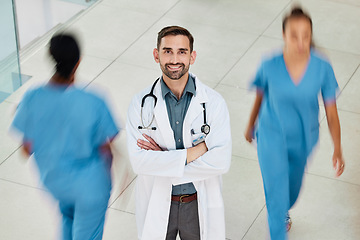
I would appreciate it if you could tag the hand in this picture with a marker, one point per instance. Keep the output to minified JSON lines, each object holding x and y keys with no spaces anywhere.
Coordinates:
{"x":150,"y":144}
{"x":249,"y":134}
{"x":105,"y":151}
{"x":194,"y":153}
{"x":338,"y":163}
{"x":26,"y":149}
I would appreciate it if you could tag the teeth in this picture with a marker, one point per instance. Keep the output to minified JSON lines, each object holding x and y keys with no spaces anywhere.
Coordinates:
{"x":177,"y":67}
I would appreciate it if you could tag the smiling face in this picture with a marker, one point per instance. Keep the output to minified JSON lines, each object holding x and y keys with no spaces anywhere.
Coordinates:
{"x":297,"y":36}
{"x":174,"y":56}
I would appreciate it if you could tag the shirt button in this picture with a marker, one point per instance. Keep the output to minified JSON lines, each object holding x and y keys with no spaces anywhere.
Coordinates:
{"x":179,"y":140}
{"x":177,"y":122}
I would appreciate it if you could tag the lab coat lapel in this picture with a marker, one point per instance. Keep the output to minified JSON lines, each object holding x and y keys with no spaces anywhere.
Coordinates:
{"x":162,"y":119}
{"x":195,"y":109}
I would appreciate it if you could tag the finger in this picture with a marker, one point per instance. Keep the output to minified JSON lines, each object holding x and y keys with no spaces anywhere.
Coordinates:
{"x":150,"y":140}
{"x":335,"y":162}
{"x":144,"y":144}
{"x":154,"y":144}
{"x":340,"y":167}
{"x":147,"y":145}
{"x":249,"y":139}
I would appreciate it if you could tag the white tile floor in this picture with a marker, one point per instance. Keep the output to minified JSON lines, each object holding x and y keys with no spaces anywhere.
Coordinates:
{"x":231,"y":36}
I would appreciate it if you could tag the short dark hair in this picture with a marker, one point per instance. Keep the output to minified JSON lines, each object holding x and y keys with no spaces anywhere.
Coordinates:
{"x":296,"y":12}
{"x":65,"y":50}
{"x":174,"y":31}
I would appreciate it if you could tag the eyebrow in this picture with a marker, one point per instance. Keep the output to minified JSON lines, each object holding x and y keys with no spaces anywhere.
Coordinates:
{"x":180,"y":49}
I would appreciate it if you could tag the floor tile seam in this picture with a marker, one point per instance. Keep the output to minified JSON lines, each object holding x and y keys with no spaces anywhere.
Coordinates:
{"x":322,"y":119}
{"x":234,"y":86}
{"x":131,"y":44}
{"x":217,"y":26}
{"x":122,"y":191}
{"x":337,"y":50}
{"x":245,"y":158}
{"x":342,"y":3}
{"x":130,"y":9}
{"x":333,"y":179}
{"x":257,"y":216}
{"x":348,"y":81}
{"x":85,"y":12}
{"x":347,"y":111}
{"x":251,"y":45}
{"x":134,"y":64}
{"x":10,"y":155}
{"x":121,"y":211}
{"x":237,"y":61}
{"x":317,"y":46}
{"x":8,"y":101}
{"x":23,"y":185}
{"x":84,"y":55}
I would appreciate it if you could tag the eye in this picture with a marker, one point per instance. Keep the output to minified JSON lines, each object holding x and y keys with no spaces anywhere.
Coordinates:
{"x":182,"y":52}
{"x":167,"y":51}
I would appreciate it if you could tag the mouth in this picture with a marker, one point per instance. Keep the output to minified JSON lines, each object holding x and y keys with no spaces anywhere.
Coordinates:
{"x":174,"y":67}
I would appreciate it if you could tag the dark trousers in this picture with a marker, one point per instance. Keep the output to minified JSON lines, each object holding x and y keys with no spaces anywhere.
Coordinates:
{"x":183,"y":219}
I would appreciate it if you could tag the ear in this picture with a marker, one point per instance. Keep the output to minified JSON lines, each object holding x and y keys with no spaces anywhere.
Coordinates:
{"x":72,"y":76}
{"x":192,"y":57}
{"x":76,"y":67}
{"x":283,"y":35}
{"x":156,"y":55}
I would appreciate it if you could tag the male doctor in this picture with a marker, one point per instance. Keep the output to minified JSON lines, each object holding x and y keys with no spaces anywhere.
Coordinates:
{"x":179,"y":144}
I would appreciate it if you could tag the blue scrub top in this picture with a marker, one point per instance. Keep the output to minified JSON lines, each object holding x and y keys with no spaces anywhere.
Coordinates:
{"x":65,"y":126}
{"x":289,"y":109}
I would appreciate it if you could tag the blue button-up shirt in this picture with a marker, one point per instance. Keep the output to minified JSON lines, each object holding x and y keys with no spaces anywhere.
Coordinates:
{"x":177,"y":109}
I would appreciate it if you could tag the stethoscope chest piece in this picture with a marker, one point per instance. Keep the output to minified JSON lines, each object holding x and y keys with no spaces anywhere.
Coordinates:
{"x":205,"y":129}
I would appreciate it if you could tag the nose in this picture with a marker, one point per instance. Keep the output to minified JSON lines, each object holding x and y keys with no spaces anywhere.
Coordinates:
{"x":174,"y":59}
{"x":301,"y":44}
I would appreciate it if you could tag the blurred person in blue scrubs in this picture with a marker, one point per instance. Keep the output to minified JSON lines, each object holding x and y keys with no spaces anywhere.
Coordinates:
{"x":69,"y":131}
{"x":286,"y":102}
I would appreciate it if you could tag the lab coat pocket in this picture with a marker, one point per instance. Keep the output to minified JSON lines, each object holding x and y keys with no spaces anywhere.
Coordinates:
{"x":197,"y":136}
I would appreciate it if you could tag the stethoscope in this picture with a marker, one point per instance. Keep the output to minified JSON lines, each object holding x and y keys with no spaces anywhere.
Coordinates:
{"x":205,"y":128}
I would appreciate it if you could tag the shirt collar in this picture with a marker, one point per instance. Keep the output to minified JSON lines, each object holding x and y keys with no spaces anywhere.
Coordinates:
{"x":190,"y":87}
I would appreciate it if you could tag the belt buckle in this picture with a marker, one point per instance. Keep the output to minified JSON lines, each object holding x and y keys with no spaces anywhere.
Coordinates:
{"x":183,"y":196}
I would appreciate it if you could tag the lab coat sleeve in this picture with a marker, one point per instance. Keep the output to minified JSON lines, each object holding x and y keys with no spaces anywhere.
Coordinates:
{"x":169,"y":163}
{"x":217,"y":159}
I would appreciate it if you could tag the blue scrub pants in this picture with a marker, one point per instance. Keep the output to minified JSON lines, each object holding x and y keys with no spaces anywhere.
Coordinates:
{"x":282,"y":163}
{"x":83,"y":193}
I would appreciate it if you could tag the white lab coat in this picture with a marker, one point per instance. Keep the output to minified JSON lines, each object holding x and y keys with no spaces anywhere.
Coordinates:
{"x":159,"y":170}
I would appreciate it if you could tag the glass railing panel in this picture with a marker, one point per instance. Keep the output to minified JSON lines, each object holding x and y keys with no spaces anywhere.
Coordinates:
{"x":10,"y":78}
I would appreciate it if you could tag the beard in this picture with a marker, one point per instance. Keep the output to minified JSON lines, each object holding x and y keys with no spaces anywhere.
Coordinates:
{"x":175,"y":75}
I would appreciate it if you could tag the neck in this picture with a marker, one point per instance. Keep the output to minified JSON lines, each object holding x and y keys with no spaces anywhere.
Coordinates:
{"x":176,"y":86}
{"x":296,"y":57}
{"x":56,"y":79}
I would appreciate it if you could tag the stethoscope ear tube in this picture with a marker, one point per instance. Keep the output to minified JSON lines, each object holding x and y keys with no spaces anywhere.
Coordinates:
{"x":150,"y":94}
